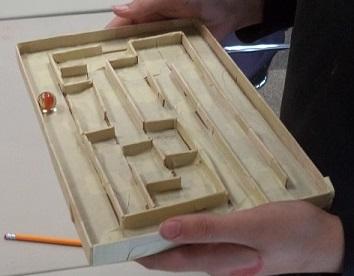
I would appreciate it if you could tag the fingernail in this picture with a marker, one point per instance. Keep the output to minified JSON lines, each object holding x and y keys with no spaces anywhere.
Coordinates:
{"x":121,"y":8}
{"x":170,"y":229}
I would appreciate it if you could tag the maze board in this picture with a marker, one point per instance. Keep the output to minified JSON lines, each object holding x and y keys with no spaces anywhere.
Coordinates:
{"x":154,"y":121}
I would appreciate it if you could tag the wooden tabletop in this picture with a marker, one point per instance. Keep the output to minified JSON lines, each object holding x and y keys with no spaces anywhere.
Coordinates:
{"x":35,"y":8}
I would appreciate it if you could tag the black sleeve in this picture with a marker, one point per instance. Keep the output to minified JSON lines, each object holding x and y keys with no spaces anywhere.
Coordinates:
{"x":277,"y":15}
{"x":318,"y":100}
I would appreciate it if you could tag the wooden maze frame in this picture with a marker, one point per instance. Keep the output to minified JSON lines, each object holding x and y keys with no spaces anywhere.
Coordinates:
{"x":136,"y":227}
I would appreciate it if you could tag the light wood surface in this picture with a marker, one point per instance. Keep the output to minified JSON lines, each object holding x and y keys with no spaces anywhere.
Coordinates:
{"x":35,"y":8}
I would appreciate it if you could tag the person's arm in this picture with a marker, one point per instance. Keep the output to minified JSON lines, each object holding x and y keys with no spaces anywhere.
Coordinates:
{"x":277,"y":15}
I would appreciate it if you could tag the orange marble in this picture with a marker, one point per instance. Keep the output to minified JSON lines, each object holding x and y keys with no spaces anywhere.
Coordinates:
{"x":47,"y":102}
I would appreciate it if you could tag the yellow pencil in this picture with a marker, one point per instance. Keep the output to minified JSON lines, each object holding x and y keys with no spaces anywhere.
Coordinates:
{"x":42,"y":239}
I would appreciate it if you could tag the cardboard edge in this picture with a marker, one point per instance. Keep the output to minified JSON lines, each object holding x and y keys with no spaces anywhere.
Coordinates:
{"x":128,"y":250}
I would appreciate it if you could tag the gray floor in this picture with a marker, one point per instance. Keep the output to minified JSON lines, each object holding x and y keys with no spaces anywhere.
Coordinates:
{"x":273,"y":90}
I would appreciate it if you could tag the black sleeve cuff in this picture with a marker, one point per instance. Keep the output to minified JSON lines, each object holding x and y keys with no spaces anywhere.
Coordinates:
{"x":348,"y":227}
{"x":277,"y":15}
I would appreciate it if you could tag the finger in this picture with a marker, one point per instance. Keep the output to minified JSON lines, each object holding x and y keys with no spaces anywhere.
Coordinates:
{"x":139,"y":8}
{"x":167,"y":8}
{"x":239,"y":227}
{"x":219,"y":259}
{"x":118,"y":21}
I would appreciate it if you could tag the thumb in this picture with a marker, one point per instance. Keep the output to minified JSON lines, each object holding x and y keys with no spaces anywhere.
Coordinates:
{"x":118,"y":21}
{"x":139,"y":8}
{"x":163,"y":8}
{"x":207,"y":228}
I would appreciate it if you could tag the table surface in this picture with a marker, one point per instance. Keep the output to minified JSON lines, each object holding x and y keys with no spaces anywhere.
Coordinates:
{"x":31,"y":200}
{"x":18,"y":8}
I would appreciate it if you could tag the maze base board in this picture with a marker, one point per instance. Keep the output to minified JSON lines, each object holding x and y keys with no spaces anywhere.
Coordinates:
{"x":153,"y":121}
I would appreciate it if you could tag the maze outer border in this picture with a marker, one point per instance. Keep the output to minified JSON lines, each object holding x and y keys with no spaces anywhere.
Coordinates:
{"x":148,"y":244}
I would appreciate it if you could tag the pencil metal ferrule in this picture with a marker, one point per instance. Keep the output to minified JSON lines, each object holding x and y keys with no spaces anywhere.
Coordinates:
{"x":10,"y":236}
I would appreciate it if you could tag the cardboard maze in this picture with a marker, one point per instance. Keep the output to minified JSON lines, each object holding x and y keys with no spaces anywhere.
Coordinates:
{"x":152,"y":124}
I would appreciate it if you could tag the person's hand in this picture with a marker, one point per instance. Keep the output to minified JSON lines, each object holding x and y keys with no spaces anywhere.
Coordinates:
{"x":221,"y":16}
{"x":276,"y":238}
